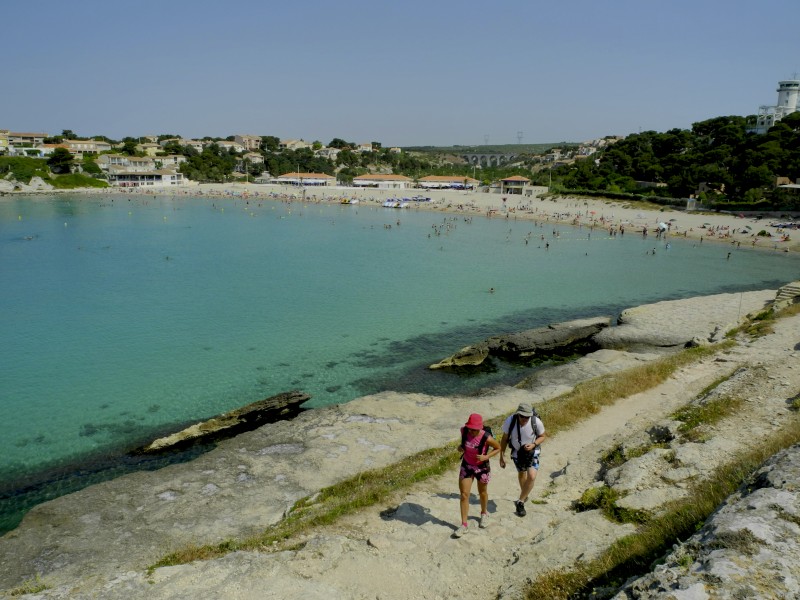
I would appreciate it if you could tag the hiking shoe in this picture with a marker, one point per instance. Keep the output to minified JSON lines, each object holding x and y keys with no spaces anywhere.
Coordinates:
{"x":484,"y":521}
{"x":460,"y":531}
{"x":521,"y":512}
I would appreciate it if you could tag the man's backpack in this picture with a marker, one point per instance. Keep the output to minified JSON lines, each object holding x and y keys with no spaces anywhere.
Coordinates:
{"x":487,"y":433}
{"x":515,"y":423}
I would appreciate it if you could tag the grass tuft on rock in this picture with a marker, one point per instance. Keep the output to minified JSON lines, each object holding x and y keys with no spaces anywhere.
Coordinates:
{"x":31,"y":586}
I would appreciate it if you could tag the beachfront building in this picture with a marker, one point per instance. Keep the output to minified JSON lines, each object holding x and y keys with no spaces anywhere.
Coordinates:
{"x":384,"y":182}
{"x":157,"y":178}
{"x":448,"y":182}
{"x":316,"y":179}
{"x":248,"y":142}
{"x":514,"y":185}
{"x":365,"y":147}
{"x":4,"y":141}
{"x":788,"y":102}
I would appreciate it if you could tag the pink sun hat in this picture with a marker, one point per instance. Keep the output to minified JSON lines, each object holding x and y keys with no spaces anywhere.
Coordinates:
{"x":475,"y":421}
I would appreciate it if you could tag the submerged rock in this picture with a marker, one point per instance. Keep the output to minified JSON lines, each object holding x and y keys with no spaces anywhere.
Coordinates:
{"x":469,"y":356}
{"x":275,"y":408}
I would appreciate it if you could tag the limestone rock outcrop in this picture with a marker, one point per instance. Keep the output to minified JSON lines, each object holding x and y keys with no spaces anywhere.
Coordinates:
{"x":750,"y":548}
{"x":275,"y":408}
{"x":677,"y":323}
{"x":545,"y":340}
{"x":36,"y":184}
{"x":542,"y":341}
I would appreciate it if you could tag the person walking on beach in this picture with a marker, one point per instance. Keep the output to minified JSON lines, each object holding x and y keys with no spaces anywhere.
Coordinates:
{"x":524,"y":431}
{"x":475,"y":441}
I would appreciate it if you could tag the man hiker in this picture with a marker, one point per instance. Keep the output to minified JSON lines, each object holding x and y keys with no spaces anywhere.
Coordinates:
{"x":524,"y":432}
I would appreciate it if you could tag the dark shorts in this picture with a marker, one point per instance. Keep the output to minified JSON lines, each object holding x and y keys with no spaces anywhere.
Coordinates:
{"x":525,"y":460}
{"x":480,"y":472}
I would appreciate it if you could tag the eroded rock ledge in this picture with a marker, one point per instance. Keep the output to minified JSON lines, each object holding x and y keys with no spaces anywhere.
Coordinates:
{"x":758,"y":526}
{"x":281,"y":407}
{"x":543,"y":341}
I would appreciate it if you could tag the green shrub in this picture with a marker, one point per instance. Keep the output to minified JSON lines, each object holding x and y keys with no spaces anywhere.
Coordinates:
{"x":75,"y":180}
{"x":605,"y":499}
{"x":23,"y":168}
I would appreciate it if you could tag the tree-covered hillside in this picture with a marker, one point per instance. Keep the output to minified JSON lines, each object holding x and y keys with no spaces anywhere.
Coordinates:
{"x":734,"y":166}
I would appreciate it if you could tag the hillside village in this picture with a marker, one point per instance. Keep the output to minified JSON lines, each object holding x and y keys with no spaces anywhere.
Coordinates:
{"x":162,"y":161}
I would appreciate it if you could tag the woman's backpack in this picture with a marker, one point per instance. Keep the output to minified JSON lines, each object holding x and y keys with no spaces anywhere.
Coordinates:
{"x":487,"y":433}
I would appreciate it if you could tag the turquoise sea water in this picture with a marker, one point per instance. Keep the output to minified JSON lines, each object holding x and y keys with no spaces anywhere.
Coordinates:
{"x":122,"y":316}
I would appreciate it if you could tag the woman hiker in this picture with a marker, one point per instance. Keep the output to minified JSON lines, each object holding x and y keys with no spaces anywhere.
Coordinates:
{"x":475,"y":441}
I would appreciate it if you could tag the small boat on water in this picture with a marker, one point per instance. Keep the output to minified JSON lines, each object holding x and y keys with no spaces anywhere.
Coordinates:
{"x":348,"y":201}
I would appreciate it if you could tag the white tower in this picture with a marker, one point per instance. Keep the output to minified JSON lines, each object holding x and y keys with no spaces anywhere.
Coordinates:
{"x":788,"y":102}
{"x":788,"y":92}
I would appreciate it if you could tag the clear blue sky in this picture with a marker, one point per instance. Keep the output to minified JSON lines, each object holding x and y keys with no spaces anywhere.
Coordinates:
{"x":437,"y":72}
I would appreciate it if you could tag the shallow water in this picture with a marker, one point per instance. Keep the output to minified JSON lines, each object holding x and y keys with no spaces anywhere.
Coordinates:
{"x":122,"y":316}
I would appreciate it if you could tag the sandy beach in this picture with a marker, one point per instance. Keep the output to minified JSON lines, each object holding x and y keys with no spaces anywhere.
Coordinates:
{"x":622,"y":217}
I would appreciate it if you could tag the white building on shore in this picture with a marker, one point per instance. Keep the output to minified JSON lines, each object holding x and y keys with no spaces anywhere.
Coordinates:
{"x":788,"y":96}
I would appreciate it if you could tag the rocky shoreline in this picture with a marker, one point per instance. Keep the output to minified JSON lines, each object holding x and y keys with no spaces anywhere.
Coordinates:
{"x":98,"y":542}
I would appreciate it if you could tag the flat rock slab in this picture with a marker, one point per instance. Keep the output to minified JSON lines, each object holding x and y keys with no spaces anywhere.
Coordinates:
{"x":679,"y":322}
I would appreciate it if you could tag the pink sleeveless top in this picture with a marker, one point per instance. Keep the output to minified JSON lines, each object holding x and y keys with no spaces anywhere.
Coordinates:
{"x":471,"y":448}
